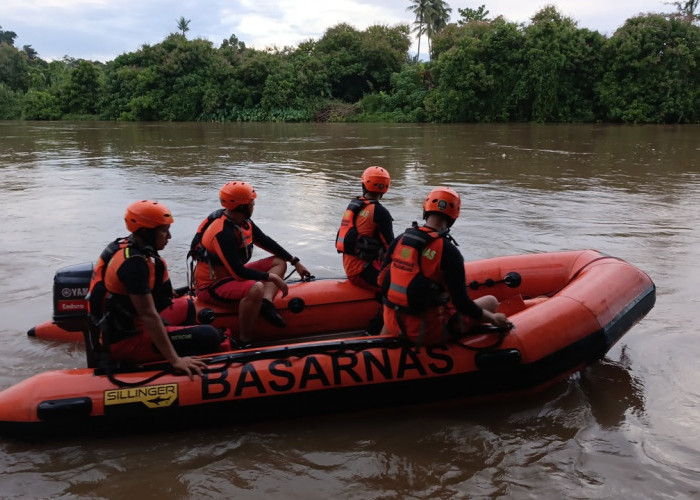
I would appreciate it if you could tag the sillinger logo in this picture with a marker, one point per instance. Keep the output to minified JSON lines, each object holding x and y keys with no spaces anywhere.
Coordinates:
{"x":153,"y":396}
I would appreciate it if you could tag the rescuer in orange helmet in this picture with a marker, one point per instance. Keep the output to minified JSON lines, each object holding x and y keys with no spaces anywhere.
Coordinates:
{"x":366,"y":230}
{"x":224,"y":273}
{"x":424,"y":282}
{"x":130,"y":287}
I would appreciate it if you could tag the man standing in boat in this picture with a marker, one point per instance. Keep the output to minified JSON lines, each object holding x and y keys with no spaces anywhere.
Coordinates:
{"x":130,"y":287}
{"x":424,"y":283}
{"x":224,"y":274}
{"x":365,"y":233}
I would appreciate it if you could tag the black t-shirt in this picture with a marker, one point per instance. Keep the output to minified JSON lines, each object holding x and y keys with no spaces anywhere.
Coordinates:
{"x":134,"y":274}
{"x":232,"y":250}
{"x":384,"y":222}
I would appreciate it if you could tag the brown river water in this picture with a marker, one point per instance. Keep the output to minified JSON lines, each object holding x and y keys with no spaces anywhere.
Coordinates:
{"x":627,"y":427}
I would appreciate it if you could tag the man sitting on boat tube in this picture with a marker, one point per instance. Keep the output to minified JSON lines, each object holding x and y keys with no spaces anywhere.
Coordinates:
{"x":222,"y":249}
{"x":424,"y":283}
{"x":130,"y":287}
{"x":366,"y":230}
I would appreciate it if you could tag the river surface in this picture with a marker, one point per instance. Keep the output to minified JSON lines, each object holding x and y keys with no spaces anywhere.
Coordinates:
{"x":627,"y":427}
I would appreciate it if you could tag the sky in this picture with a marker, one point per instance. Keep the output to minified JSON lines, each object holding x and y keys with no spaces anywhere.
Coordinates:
{"x":101,"y":30}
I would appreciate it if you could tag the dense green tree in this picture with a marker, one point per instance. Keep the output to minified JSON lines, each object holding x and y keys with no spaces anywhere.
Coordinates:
{"x":339,"y":50}
{"x":10,"y":103}
{"x":250,"y":70}
{"x":32,"y":54}
{"x":468,"y":15}
{"x":480,"y":70}
{"x":404,"y":102}
{"x":14,"y":69}
{"x":169,"y":81}
{"x":562,"y":66}
{"x":83,"y":93}
{"x":232,"y":44}
{"x":654,"y":72}
{"x":57,"y":76}
{"x":39,"y":105}
{"x":357,"y":62}
{"x":383,"y":50}
{"x":7,"y":37}
{"x":477,"y":71}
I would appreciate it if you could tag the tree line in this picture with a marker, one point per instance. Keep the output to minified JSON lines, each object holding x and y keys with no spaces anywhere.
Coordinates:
{"x":480,"y":69}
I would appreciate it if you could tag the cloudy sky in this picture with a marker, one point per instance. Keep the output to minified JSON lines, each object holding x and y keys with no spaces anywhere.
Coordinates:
{"x":103,"y":29}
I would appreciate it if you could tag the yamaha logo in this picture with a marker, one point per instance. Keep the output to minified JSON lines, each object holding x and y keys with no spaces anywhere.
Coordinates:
{"x":74,"y":292}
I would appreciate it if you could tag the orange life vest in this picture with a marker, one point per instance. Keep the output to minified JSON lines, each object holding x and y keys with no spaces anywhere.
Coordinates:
{"x":211,"y":264}
{"x":197,"y":251}
{"x":415,"y":281}
{"x":97,"y":291}
{"x":357,"y":235}
{"x":122,"y":319}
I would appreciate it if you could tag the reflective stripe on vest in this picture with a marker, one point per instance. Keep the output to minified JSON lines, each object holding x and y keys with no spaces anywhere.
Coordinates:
{"x":346,"y":239}
{"x":406,"y":266}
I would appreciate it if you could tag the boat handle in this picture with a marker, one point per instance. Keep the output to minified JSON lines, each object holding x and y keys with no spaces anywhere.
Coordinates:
{"x":511,"y":280}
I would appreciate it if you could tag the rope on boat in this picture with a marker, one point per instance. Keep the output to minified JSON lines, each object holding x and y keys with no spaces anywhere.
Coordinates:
{"x":299,"y":351}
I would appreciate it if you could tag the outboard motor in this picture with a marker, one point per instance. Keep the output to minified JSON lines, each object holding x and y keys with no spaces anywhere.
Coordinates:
{"x":70,"y":288}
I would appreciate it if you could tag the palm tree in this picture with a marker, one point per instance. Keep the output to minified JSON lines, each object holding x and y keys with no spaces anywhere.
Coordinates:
{"x":418,"y":7}
{"x":437,"y":16}
{"x":183,"y":25}
{"x":431,"y":17}
{"x":687,"y":9}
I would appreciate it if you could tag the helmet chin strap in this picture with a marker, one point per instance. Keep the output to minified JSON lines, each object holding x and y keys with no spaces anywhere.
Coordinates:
{"x":145,"y":239}
{"x":242,"y":211}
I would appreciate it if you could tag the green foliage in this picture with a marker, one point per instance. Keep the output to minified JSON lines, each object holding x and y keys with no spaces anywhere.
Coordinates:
{"x":183,"y":25}
{"x":14,"y":69}
{"x":654,"y":72}
{"x":339,"y":51}
{"x":41,"y":106}
{"x":687,"y":10}
{"x":83,"y":92}
{"x":10,"y":103}
{"x":562,"y":66}
{"x":478,"y":71}
{"x":431,"y":17}
{"x":7,"y":37}
{"x":355,"y":63}
{"x":176,"y":80}
{"x":481,"y":71}
{"x":468,"y":15}
{"x":404,"y":101}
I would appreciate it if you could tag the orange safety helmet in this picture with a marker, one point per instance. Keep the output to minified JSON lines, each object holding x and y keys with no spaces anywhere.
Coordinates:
{"x":236,"y":193}
{"x":376,"y":180}
{"x":443,"y":200}
{"x":148,"y":214}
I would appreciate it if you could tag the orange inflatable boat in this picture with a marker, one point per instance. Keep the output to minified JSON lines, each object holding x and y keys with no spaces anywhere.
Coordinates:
{"x":311,"y":307}
{"x":568,"y":309}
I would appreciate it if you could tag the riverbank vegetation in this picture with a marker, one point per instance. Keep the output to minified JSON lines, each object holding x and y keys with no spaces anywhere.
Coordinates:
{"x":480,"y":69}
